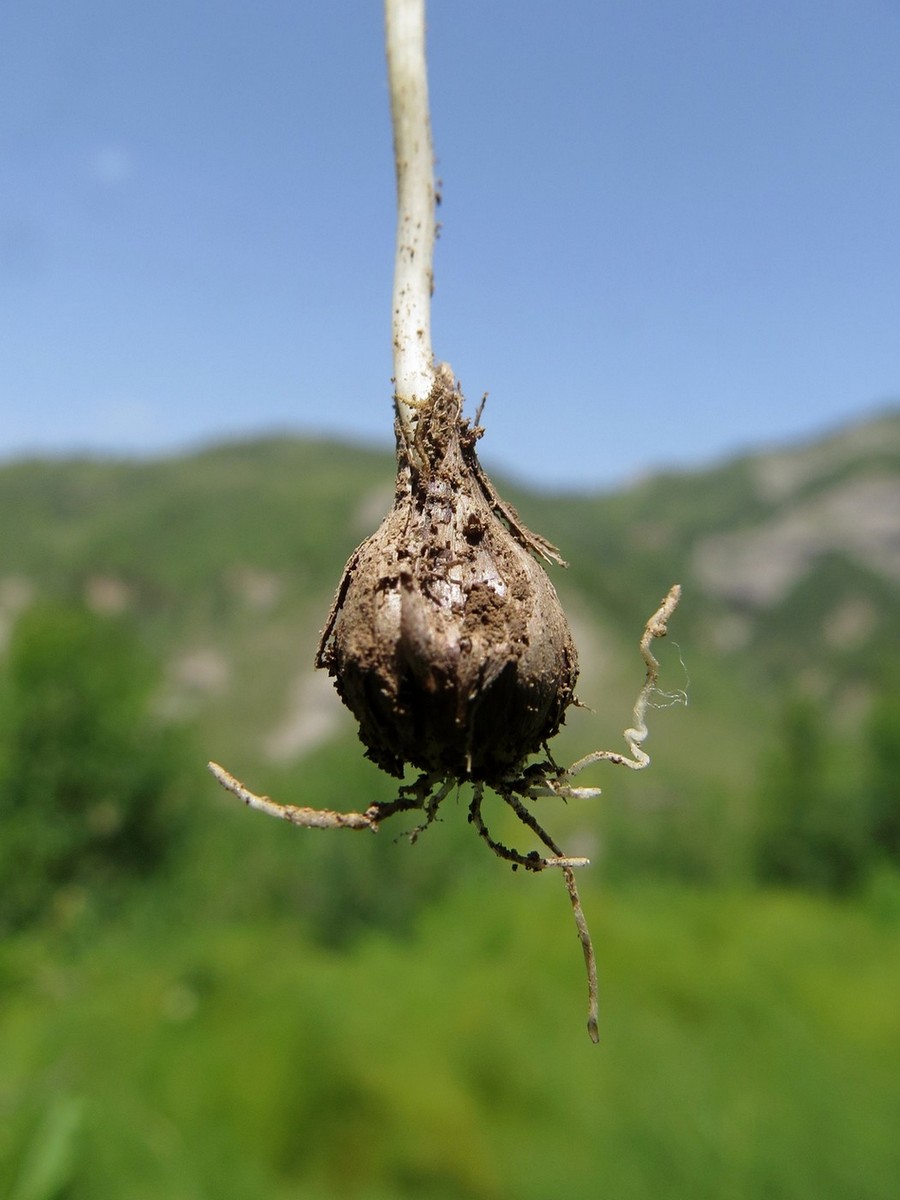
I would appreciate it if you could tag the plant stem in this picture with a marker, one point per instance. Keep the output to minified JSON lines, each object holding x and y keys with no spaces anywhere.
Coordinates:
{"x":414,"y":370}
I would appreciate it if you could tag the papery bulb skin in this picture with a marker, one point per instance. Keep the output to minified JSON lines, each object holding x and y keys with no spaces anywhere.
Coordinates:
{"x":447,"y":640}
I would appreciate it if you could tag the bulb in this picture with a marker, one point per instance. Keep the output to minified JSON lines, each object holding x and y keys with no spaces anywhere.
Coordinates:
{"x":447,"y":640}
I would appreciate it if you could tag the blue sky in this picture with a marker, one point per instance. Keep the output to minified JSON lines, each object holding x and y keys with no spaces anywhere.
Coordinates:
{"x":670,"y":230}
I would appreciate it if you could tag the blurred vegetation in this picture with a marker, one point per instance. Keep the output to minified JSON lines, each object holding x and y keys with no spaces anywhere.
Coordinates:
{"x":749,"y":1047}
{"x":87,"y":779}
{"x":820,"y":826}
{"x":198,"y":1002}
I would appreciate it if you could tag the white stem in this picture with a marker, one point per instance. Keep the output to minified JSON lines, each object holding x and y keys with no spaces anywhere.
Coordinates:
{"x":414,"y":371}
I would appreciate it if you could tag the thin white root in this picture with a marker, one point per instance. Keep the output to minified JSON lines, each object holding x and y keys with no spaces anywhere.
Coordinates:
{"x":532,"y":861}
{"x":309,"y":818}
{"x":584,"y":936}
{"x":590,"y":959}
{"x":555,"y":788}
{"x":656,"y":627}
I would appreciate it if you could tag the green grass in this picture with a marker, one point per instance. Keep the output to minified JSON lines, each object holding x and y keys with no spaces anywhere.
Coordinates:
{"x":750,"y":1047}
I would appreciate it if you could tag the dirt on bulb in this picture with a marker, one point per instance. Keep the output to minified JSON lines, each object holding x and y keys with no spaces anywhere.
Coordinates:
{"x":446,"y":638}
